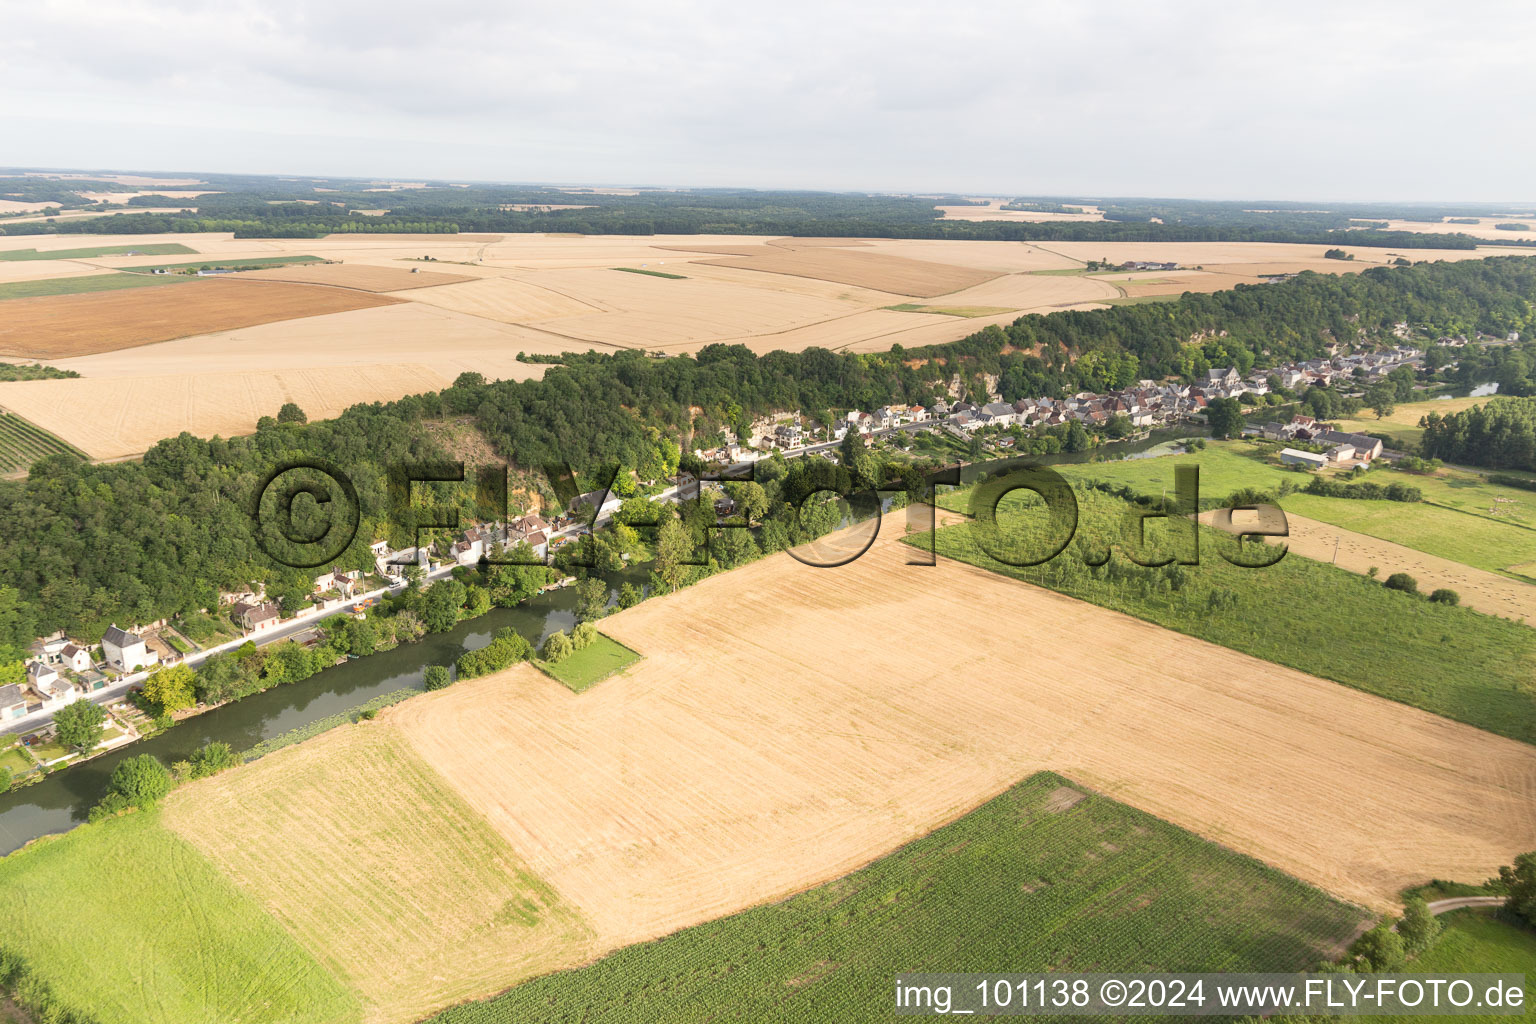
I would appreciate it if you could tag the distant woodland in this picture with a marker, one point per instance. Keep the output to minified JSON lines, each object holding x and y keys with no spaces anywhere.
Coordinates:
{"x":253,"y":207}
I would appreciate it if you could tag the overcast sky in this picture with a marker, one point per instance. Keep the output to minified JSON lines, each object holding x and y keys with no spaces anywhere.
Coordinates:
{"x":1392,"y":101}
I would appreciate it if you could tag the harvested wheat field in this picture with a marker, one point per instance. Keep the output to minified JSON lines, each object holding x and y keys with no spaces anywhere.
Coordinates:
{"x":994,"y":211}
{"x":550,"y":293}
{"x":1484,"y":228}
{"x":114,"y":417}
{"x":506,"y":300}
{"x":222,"y":383}
{"x":356,"y":275}
{"x":865,"y":269}
{"x":1488,"y":592}
{"x":48,"y":327}
{"x":728,"y":768}
{"x":381,"y":871}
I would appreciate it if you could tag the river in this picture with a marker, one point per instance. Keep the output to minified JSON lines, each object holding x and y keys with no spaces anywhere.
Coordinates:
{"x":64,"y":798}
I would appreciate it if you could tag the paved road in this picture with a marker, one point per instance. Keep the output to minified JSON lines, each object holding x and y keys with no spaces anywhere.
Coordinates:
{"x":283,"y":632}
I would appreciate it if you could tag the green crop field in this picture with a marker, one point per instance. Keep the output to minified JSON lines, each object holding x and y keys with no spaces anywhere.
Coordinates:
{"x":591,"y":665}
{"x":960,"y":311}
{"x":23,"y":443}
{"x":652,"y":273}
{"x":1463,"y":517}
{"x":126,"y":922}
{"x":1042,"y":877}
{"x":83,"y":285}
{"x":1476,"y":942}
{"x":155,"y":249}
{"x":1451,"y":661}
{"x":255,"y":263}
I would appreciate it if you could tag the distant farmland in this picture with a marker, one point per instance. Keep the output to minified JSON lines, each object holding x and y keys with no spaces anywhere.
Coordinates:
{"x":126,"y":249}
{"x":55,"y":326}
{"x":83,"y":284}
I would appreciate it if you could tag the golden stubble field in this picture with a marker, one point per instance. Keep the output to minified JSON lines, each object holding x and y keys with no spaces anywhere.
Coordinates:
{"x":505,"y":827}
{"x":381,"y":871}
{"x":865,"y":705}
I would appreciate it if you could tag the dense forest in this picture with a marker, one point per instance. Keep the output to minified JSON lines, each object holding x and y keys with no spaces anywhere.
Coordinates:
{"x":270,"y":207}
{"x":1500,"y":434}
{"x":82,"y":545}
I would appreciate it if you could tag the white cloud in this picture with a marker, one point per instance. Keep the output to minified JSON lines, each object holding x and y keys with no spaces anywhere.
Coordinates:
{"x":1309,"y":100}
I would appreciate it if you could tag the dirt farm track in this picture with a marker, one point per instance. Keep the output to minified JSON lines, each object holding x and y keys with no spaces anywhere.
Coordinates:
{"x":733,"y":766}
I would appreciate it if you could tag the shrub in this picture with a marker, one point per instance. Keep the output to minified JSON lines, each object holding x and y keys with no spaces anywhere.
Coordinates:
{"x":164,"y":721}
{"x":1380,"y":949}
{"x":1519,"y":885}
{"x":5,"y":779}
{"x":508,"y":647}
{"x":1418,"y":926}
{"x":136,"y":782}
{"x":1402,"y":581}
{"x":213,"y":758}
{"x":436,"y":677}
{"x":557,"y":647}
{"x":1443,"y":595}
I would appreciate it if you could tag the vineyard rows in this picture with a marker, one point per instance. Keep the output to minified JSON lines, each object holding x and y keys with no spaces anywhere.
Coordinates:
{"x":22,"y":443}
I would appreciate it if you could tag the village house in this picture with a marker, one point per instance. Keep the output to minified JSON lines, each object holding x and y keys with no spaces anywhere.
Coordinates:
{"x":49,"y":649}
{"x":605,"y":504}
{"x":396,"y":562}
{"x":1340,"y":453}
{"x":257,"y":618}
{"x":13,"y":703}
{"x":75,"y":658}
{"x":53,"y":689}
{"x":997,"y":414}
{"x":126,"y":651}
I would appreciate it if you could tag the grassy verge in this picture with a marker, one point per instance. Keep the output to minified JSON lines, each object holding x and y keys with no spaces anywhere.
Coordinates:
{"x":1045,"y":876}
{"x":326,"y":724}
{"x":1476,"y":942}
{"x":126,"y":922}
{"x":650,"y":273}
{"x":592,"y":664}
{"x":156,"y":249}
{"x":1313,"y":617}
